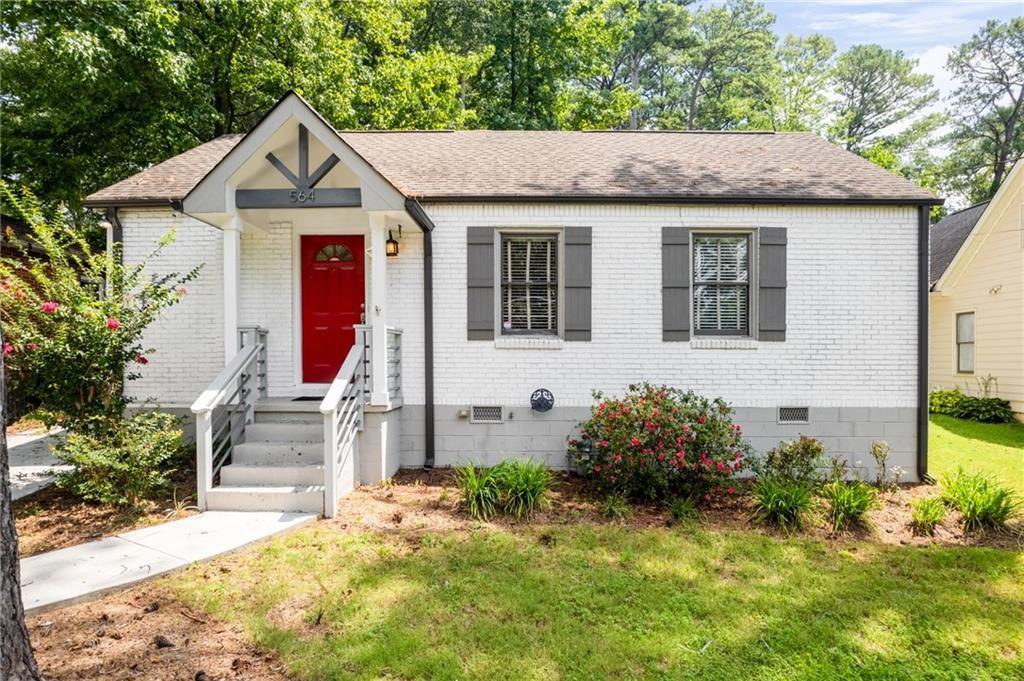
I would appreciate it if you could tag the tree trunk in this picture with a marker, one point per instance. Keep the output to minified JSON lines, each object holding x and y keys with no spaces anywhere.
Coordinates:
{"x":16,"y":660}
{"x":634,"y":78}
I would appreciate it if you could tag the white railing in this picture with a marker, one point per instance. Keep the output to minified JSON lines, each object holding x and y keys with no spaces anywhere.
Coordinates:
{"x":342,"y":409}
{"x":222,"y":411}
{"x":364,"y":338}
{"x":256,"y":335}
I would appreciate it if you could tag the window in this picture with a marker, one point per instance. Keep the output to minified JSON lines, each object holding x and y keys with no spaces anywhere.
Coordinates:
{"x":334,"y":253}
{"x":529,"y":283}
{"x":721,"y":285}
{"x":965,"y":343}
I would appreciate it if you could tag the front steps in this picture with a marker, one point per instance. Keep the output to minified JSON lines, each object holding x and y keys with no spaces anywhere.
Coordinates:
{"x":279,"y":467}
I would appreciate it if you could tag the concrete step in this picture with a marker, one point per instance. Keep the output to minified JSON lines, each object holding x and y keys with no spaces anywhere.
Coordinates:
{"x":279,"y":453}
{"x":265,"y":475}
{"x":275,"y":415}
{"x":304,"y":498}
{"x":284,"y":432}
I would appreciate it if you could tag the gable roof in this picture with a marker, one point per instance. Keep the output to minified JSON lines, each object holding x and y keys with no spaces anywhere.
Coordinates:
{"x":948,"y":235}
{"x":577,"y":166}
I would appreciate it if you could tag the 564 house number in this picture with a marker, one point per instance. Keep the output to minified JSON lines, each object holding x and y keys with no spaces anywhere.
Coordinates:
{"x":302,"y":196}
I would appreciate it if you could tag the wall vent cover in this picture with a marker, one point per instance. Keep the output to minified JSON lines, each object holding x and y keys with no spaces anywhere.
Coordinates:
{"x":479,"y":414}
{"x":793,"y":414}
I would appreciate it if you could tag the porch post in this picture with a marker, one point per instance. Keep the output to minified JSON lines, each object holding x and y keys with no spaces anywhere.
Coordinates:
{"x":378,"y":312}
{"x":232,"y":255}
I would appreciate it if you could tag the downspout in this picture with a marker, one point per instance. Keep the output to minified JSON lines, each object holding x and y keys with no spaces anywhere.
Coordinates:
{"x":415,"y":210}
{"x":924,"y":227}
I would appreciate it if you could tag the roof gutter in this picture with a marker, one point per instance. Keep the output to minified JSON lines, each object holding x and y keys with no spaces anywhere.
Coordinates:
{"x":415,"y":210}
{"x":923,"y":250}
{"x":683,"y":200}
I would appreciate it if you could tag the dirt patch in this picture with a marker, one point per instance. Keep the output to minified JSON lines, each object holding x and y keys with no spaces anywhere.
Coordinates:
{"x":144,"y":634}
{"x":26,"y":426}
{"x":54,"y":519}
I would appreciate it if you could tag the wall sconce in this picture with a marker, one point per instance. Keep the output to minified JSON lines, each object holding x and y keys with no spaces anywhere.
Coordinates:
{"x":391,"y":246}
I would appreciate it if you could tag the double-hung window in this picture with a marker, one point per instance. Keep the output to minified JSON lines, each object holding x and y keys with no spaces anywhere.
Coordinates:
{"x":529,"y":283}
{"x":721,"y":284}
{"x":965,"y":343}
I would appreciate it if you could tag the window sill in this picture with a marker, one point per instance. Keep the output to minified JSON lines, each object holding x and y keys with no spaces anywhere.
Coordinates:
{"x":528,"y":343}
{"x":720,"y":343}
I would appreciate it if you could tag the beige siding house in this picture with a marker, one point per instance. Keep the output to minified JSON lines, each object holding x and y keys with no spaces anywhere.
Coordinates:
{"x":977,"y":296}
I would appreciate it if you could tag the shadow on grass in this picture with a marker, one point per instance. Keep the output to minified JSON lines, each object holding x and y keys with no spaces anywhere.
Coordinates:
{"x":604,"y":602}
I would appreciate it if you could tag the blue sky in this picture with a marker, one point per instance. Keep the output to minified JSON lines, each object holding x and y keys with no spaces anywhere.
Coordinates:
{"x":924,"y":30}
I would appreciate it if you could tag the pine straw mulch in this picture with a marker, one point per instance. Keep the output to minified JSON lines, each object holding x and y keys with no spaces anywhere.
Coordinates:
{"x":55,"y":519}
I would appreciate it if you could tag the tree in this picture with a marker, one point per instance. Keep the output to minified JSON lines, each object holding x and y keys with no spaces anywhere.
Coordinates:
{"x":988,"y":134}
{"x":876,"y":88}
{"x":794,"y":96}
{"x":16,"y":659}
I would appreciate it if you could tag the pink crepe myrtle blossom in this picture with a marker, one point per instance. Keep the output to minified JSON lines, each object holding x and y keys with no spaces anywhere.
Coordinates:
{"x":49,"y":307}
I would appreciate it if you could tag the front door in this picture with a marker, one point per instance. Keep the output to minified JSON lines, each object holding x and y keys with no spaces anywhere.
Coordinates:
{"x":333,"y":287}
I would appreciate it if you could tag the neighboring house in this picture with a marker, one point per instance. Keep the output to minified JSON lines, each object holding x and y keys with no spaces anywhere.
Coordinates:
{"x":977,"y":296}
{"x":774,"y":270}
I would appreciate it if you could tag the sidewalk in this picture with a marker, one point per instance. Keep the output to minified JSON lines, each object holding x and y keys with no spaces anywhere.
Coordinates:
{"x":32,"y":465}
{"x":78,"y":573}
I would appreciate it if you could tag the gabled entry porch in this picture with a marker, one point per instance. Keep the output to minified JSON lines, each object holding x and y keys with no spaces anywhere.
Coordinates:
{"x":307,"y":405}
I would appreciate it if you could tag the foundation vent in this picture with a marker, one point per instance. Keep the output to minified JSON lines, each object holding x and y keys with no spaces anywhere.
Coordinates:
{"x":479,"y":414}
{"x":793,"y":414}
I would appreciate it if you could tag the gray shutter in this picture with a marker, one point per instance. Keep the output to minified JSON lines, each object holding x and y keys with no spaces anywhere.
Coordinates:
{"x":480,"y":283}
{"x":577,"y":283}
{"x":675,"y":283}
{"x":771,"y":282}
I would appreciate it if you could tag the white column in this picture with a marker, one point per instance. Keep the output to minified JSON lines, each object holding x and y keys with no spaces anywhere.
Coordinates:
{"x":232,"y":258}
{"x":378,"y":310}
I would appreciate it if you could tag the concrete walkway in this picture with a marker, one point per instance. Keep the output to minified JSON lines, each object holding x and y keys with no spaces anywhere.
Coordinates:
{"x":79,"y":573}
{"x":32,"y":465}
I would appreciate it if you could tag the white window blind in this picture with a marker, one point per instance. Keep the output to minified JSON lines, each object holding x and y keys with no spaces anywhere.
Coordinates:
{"x":965,"y":343}
{"x":529,"y":283}
{"x":721,"y":284}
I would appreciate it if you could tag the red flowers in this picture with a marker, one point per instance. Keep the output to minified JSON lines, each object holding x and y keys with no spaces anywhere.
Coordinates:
{"x":49,"y":307}
{"x":113,"y":324}
{"x":702,"y":419}
{"x":8,"y":349}
{"x":141,"y":359}
{"x":635,"y":441}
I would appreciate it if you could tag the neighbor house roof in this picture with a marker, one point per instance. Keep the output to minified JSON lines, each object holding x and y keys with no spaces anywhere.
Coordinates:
{"x":587,"y":166}
{"x":948,"y":235}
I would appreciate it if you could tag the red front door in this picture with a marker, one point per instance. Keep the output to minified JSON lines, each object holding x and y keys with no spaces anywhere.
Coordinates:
{"x":332,"y":302}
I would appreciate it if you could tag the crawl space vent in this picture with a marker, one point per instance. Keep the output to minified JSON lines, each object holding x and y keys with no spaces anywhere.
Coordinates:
{"x":485,"y":414}
{"x":793,"y":414}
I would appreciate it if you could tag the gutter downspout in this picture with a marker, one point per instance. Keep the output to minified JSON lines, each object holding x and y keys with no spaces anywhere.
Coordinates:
{"x":924,"y":228}
{"x":415,"y":210}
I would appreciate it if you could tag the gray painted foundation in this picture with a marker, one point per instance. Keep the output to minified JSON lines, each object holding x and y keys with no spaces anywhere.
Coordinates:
{"x":845,"y":431}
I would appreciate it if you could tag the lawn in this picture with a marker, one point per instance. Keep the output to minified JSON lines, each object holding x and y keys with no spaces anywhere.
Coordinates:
{"x":582,"y":600}
{"x":995,"y":449}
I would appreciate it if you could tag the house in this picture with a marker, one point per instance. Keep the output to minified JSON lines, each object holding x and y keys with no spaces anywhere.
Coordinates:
{"x":977,"y":296}
{"x":371,"y":300}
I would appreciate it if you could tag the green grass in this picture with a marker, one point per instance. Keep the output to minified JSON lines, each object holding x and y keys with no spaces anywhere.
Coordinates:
{"x":584,"y":601}
{"x":994,"y":449}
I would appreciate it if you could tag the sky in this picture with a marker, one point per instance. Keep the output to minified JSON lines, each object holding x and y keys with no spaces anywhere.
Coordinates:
{"x":925,"y":30}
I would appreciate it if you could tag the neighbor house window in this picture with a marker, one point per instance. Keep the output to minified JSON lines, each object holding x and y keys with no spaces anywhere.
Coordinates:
{"x":529,"y":283}
{"x":965,"y":343}
{"x":721,"y":284}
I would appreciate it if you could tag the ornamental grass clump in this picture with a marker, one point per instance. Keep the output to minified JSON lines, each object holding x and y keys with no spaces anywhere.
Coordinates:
{"x":656,"y":443}
{"x":926,"y":514}
{"x":780,"y":502}
{"x":983,"y":503}
{"x":479,"y":490}
{"x":514,"y":487}
{"x":847,"y":504}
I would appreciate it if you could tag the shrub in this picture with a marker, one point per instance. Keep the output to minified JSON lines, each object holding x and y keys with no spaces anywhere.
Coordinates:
{"x":124,"y":461}
{"x":945,"y":401}
{"x":657,"y":442}
{"x":781,"y":502}
{"x":522,"y":486}
{"x":615,"y":507}
{"x":799,"y":461}
{"x":982,"y":502}
{"x":926,"y":514}
{"x":847,"y":503}
{"x":984,"y":409}
{"x":479,"y":490}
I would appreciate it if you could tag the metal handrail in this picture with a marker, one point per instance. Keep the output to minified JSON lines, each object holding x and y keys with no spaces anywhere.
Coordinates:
{"x":343,"y":410}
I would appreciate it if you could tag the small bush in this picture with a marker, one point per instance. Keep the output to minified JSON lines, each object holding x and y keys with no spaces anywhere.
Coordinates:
{"x":984,"y":409}
{"x":684,"y":510}
{"x":522,"y":486}
{"x":926,"y":514}
{"x":615,"y":507}
{"x":781,"y":502}
{"x":479,"y":490}
{"x":656,"y":443}
{"x":982,"y":502}
{"x":121,"y":461}
{"x":945,"y":401}
{"x":847,"y":503}
{"x":799,"y":461}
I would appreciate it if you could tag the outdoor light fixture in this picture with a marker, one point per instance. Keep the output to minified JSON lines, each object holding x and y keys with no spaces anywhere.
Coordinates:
{"x":391,"y":246}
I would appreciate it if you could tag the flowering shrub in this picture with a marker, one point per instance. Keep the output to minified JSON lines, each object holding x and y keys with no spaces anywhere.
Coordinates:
{"x":655,"y":442}
{"x":800,"y":461}
{"x":73,"y":322}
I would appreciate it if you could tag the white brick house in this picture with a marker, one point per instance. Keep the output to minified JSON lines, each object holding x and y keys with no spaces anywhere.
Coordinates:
{"x":773,"y":270}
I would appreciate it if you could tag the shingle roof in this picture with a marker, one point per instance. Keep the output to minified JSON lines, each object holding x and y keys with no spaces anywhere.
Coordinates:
{"x":948,"y":235}
{"x":520,"y":165}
